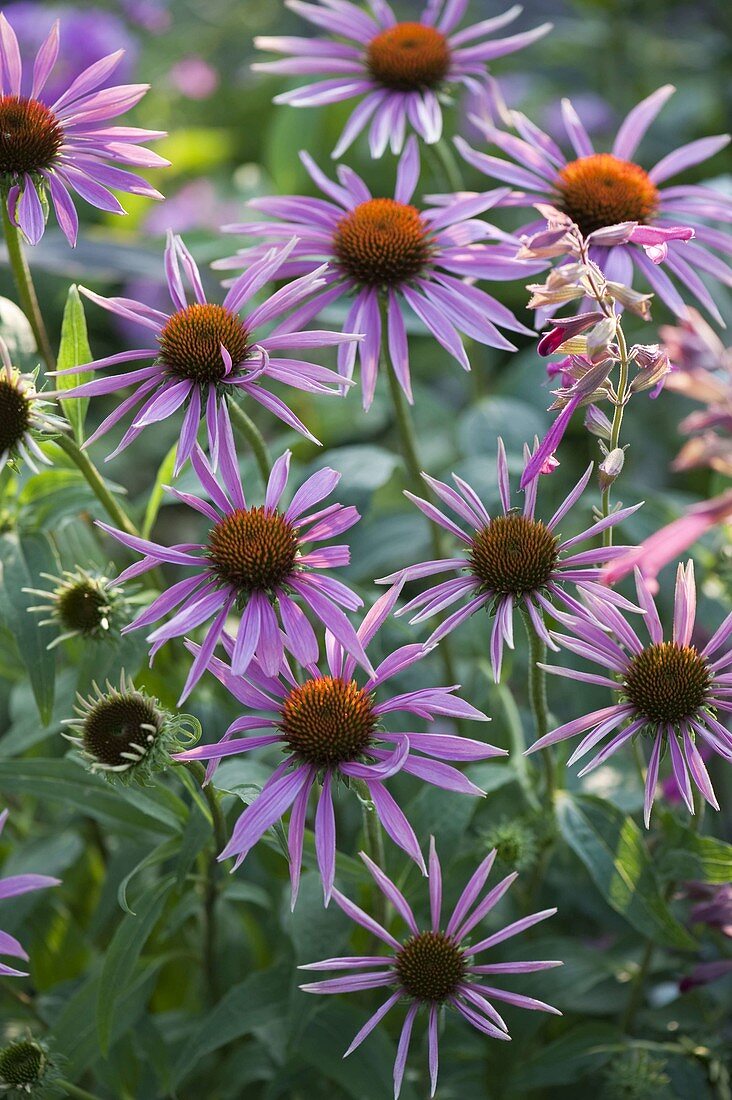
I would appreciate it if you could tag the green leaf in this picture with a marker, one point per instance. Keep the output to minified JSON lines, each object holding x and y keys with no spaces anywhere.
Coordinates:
{"x":163,"y":477}
{"x":22,"y":559}
{"x":158,"y":855}
{"x":123,"y":953}
{"x":67,"y":782}
{"x":73,"y":351}
{"x":258,"y":1002}
{"x":18,"y":335}
{"x":687,"y":855}
{"x":583,"y":1049}
{"x":611,"y":847}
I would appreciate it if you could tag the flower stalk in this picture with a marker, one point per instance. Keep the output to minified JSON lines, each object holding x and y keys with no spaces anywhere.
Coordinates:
{"x":25,"y":287}
{"x":249,"y":431}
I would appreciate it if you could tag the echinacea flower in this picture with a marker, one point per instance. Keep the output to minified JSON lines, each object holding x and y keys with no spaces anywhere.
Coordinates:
{"x":670,"y":692}
{"x":599,"y":190}
{"x":62,"y":146}
{"x":204,"y":351}
{"x":403,"y":71}
{"x":388,"y":254}
{"x":125,"y":734}
{"x":431,"y":967}
{"x":81,"y":604}
{"x":255,"y":560}
{"x":506,"y":561}
{"x":11,"y":887}
{"x":329,"y":725}
{"x":24,"y":416}
{"x":27,"y":1070}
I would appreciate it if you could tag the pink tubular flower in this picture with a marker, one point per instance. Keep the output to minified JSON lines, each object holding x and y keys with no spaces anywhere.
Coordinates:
{"x":388,"y":254}
{"x":670,"y":692}
{"x":431,"y":967}
{"x":507,"y":560}
{"x":254,"y":561}
{"x":601,"y":190}
{"x":64,"y":146}
{"x":402,"y":70}
{"x":10,"y":888}
{"x":330,"y":727}
{"x":204,"y":352}
{"x":668,"y":543}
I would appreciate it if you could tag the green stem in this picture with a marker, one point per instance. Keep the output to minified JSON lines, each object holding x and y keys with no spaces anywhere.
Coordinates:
{"x":374,"y":845}
{"x":96,"y":483}
{"x":700,"y":806}
{"x":25,"y":287}
{"x":212,"y":877}
{"x":538,"y":701}
{"x":449,"y":165}
{"x":247,"y":428}
{"x":74,"y":1090}
{"x":411,"y":458}
{"x":621,"y":400}
{"x":636,"y":991}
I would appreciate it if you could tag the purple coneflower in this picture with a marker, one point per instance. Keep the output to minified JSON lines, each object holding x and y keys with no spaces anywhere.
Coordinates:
{"x":669,"y":691}
{"x":403,"y":70}
{"x":598,"y":190}
{"x":386,"y":251}
{"x":65,"y":145}
{"x":508,"y":560}
{"x":431,"y":968}
{"x":330,"y":727}
{"x":254,"y":561}
{"x":203,"y":350}
{"x":9,"y":888}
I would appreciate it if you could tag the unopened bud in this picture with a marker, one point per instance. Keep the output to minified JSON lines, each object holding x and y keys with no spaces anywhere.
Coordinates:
{"x":597,"y":423}
{"x":610,"y":468}
{"x":599,"y":339}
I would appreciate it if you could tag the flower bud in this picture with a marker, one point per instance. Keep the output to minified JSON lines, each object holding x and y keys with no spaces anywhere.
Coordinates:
{"x":610,"y":468}
{"x":597,"y":423}
{"x":599,"y":339}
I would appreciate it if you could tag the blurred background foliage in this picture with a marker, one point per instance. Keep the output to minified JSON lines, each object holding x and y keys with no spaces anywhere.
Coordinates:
{"x":227,"y":142}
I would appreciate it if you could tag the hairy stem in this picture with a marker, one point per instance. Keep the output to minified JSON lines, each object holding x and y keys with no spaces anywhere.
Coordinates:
{"x":621,"y":401}
{"x":96,"y":483}
{"x":212,"y":876}
{"x":410,"y":452}
{"x":249,"y":430}
{"x":25,"y":287}
{"x":74,"y":1090}
{"x":538,"y":702}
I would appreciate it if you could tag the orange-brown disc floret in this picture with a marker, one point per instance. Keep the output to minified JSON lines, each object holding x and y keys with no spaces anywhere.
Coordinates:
{"x":513,"y":555}
{"x":602,"y":190}
{"x":30,"y":136}
{"x":190,"y":342}
{"x":408,"y":57}
{"x":327,"y":721}
{"x":253,"y":549}
{"x":382,"y":243}
{"x":667,"y":682}
{"x":430,"y":966}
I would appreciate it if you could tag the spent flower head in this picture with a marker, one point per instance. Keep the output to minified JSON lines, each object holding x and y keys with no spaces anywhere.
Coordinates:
{"x":435,"y":966}
{"x":82,"y":604}
{"x":27,"y":1069}
{"x":125,"y":734}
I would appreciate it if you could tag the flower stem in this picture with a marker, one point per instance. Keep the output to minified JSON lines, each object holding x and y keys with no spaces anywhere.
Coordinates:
{"x":25,"y":287}
{"x":212,"y":877}
{"x":411,"y":458}
{"x":621,"y":401}
{"x":374,"y":844}
{"x":74,"y":1090}
{"x":538,"y":702}
{"x":96,"y":483}
{"x":249,"y":430}
{"x":448,"y":164}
